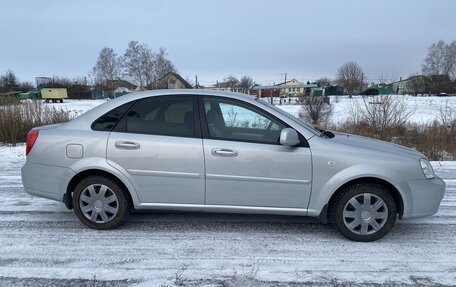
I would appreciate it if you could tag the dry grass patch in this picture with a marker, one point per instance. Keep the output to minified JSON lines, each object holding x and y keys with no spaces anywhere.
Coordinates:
{"x":436,"y":141}
{"x":17,"y":119}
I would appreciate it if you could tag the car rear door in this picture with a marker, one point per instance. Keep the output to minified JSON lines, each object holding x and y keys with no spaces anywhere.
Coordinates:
{"x":158,"y":144}
{"x":245,"y":163}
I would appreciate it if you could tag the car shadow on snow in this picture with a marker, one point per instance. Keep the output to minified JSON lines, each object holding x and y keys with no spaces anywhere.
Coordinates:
{"x":232,"y":223}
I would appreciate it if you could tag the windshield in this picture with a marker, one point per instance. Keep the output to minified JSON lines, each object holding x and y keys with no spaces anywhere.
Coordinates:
{"x":291,"y":117}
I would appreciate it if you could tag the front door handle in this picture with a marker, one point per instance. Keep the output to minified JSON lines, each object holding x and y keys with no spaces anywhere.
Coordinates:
{"x":127,"y":145}
{"x":224,"y":152}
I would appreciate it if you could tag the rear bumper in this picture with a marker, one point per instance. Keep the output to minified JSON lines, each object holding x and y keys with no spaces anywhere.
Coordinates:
{"x":425,"y":197}
{"x":45,"y":180}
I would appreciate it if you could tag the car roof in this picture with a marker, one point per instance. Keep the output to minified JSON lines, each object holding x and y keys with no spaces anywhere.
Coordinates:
{"x":152,"y":93}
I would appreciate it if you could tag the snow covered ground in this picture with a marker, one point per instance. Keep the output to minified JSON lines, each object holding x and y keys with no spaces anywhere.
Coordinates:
{"x":424,"y":109}
{"x":42,"y":243}
{"x":77,"y":107}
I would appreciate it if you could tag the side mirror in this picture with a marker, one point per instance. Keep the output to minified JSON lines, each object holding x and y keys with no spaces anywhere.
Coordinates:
{"x":289,"y":137}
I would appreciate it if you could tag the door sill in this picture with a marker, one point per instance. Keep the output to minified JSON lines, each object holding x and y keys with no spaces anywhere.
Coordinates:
{"x":222,"y":208}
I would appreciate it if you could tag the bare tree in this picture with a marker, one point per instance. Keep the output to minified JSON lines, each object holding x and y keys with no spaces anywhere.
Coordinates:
{"x":230,"y":82}
{"x":447,"y":116}
{"x":451,"y":58}
{"x":91,"y":77}
{"x":245,"y":84}
{"x":316,"y":110}
{"x":138,"y":63}
{"x":26,"y":86}
{"x":107,"y":67}
{"x":388,"y":78}
{"x":147,"y":58}
{"x":162,"y":65}
{"x":9,"y":82}
{"x":441,"y":59}
{"x":380,"y":113}
{"x":350,"y":76}
{"x":143,"y":66}
{"x":131,"y":63}
{"x":323,"y":82}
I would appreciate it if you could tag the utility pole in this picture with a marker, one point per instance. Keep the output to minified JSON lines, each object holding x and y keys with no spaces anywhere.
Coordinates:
{"x":196,"y":81}
{"x":285,"y":84}
{"x":280,"y":89}
{"x":362,"y":81}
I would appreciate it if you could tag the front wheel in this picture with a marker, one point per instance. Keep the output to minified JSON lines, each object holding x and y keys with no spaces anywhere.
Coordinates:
{"x":100,"y":203}
{"x":364,"y":212}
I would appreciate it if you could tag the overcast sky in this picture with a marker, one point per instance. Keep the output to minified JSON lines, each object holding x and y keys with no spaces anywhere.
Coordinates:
{"x":263,"y":39}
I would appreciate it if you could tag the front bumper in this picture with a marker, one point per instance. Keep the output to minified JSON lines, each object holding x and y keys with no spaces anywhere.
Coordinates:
{"x":424,"y":197}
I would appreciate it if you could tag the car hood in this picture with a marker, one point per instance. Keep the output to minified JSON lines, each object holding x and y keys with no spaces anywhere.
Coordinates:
{"x":376,"y":145}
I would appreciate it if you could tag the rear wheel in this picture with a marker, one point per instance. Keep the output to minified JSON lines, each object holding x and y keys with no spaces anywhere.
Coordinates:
{"x":100,"y":203}
{"x":364,"y":212}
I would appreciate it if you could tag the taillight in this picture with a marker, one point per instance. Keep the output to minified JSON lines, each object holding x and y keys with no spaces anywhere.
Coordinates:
{"x":31,"y":139}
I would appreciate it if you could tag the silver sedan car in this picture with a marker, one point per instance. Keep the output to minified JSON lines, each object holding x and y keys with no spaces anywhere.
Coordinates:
{"x":207,"y":151}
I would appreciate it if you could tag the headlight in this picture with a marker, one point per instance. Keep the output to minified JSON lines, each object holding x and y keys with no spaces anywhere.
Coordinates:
{"x":427,"y":168}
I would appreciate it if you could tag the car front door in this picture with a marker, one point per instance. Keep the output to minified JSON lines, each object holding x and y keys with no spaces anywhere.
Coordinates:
{"x":245,"y":163}
{"x":158,"y":144}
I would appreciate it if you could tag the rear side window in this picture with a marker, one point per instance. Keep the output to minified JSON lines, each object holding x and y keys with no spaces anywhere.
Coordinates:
{"x":171,"y":116}
{"x":107,"y":121}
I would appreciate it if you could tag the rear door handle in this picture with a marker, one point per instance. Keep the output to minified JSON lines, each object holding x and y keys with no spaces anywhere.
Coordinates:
{"x":224,"y":152}
{"x":127,"y":145}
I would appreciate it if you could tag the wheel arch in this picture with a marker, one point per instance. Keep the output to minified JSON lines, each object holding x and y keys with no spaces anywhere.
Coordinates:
{"x":390,"y":187}
{"x":67,"y":197}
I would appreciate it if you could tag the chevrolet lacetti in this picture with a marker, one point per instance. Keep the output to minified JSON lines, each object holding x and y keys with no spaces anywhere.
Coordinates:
{"x":207,"y":151}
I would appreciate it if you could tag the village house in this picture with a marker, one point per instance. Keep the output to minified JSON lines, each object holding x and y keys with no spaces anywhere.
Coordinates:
{"x":169,"y":81}
{"x":420,"y":84}
{"x":292,"y":88}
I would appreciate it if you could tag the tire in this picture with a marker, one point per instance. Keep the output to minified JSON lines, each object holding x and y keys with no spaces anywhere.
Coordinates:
{"x":359,"y":221}
{"x":100,"y":203}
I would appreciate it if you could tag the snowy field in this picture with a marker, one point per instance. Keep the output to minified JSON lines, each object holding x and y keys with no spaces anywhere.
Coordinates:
{"x":76,"y":107}
{"x":424,"y":109}
{"x":44,"y":244}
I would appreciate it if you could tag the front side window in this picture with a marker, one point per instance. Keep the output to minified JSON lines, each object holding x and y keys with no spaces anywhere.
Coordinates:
{"x":290,"y":117}
{"x":232,"y":120}
{"x":172,"y":116}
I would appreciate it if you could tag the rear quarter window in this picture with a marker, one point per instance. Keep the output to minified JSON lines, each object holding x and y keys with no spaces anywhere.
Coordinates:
{"x":109,"y":120}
